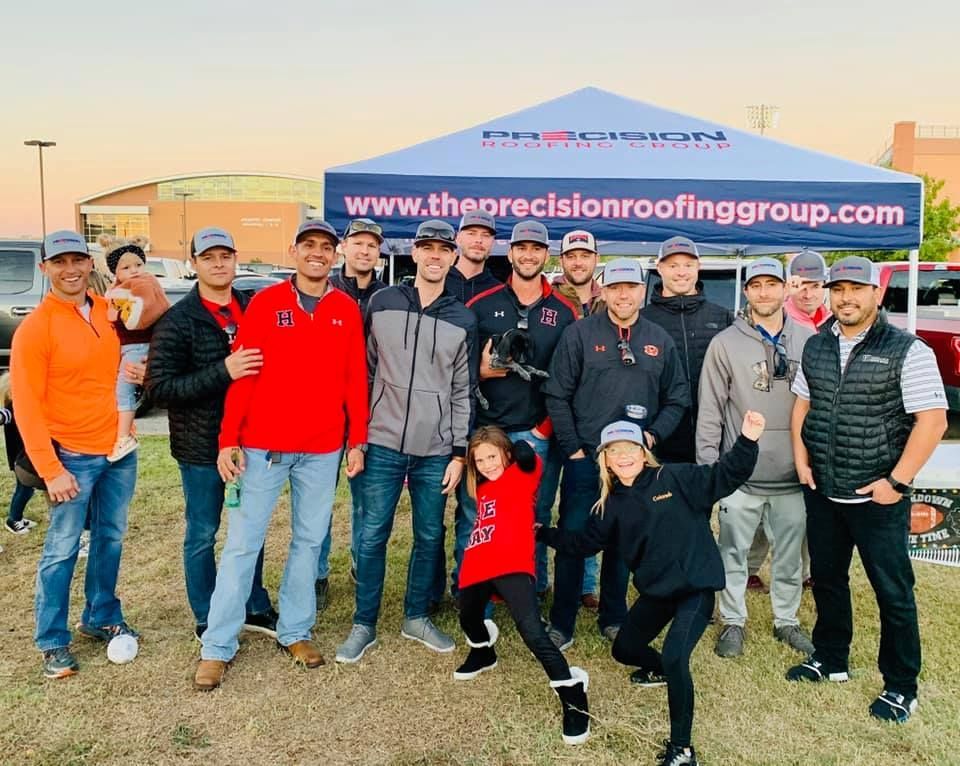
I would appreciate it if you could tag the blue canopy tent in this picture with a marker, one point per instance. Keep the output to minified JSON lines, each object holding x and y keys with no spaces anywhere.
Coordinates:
{"x":634,"y":173}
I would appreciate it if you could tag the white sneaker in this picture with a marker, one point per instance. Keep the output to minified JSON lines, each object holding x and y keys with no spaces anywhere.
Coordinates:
{"x":122,"y":448}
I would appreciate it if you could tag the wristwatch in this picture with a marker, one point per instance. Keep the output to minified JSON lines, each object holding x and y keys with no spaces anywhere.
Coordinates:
{"x":899,"y":486}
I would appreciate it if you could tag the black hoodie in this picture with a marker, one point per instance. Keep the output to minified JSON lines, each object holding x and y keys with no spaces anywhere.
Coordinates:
{"x":691,"y":321}
{"x":660,"y":525}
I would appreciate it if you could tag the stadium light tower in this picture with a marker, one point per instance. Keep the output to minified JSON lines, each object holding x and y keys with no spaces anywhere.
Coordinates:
{"x":763,"y":116}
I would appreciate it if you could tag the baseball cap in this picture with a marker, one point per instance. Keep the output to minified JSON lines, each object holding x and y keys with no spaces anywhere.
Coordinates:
{"x":578,"y":240}
{"x":209,"y":237}
{"x":854,"y":268}
{"x":530,"y":231}
{"x":622,"y":270}
{"x":764,"y":267}
{"x":676,"y":245}
{"x":364,"y":226}
{"x":808,"y":265}
{"x":61,"y":242}
{"x":478,"y":218}
{"x":625,"y":431}
{"x":318,"y":226}
{"x":435,"y":230}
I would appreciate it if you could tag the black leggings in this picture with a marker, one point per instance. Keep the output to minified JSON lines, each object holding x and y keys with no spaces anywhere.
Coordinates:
{"x":520,"y":595}
{"x":646,"y":618}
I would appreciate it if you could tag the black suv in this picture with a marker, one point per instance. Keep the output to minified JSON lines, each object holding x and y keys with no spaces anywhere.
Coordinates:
{"x":22,"y":286}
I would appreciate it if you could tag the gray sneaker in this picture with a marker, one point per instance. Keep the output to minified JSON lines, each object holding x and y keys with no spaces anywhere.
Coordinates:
{"x":730,"y":642}
{"x":794,"y":637}
{"x":361,"y":638}
{"x":560,"y":640}
{"x":423,"y":630}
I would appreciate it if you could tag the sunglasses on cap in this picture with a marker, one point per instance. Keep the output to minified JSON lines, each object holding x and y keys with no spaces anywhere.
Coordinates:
{"x":360,"y":227}
{"x":442,"y":233}
{"x":230,"y":328}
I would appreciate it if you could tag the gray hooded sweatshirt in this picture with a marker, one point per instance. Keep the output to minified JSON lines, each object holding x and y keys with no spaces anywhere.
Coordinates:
{"x":740,"y":374}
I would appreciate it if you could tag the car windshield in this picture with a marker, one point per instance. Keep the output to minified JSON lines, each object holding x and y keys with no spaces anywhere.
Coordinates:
{"x":935,"y":288}
{"x":157,"y":268}
{"x":17,"y":271}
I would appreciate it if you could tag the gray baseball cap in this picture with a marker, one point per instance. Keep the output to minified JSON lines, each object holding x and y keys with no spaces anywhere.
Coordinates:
{"x":435,"y":230}
{"x":209,"y":237}
{"x":622,"y":270}
{"x":315,"y":225}
{"x":478,"y":218}
{"x":854,"y":268}
{"x":764,"y":267}
{"x":675,"y":245}
{"x":62,"y":242}
{"x":530,"y":231}
{"x":625,"y":431}
{"x":364,"y":226}
{"x":809,"y":266}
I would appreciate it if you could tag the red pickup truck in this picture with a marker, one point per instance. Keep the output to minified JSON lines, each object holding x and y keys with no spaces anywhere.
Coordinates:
{"x":938,"y":313}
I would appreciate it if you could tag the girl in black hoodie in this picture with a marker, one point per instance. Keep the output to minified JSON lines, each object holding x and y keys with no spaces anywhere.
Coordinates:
{"x":657,"y":518}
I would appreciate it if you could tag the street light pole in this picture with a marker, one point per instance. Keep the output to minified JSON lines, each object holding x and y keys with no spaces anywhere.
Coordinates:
{"x":40,"y":144}
{"x":763,"y":116}
{"x":183,"y":196}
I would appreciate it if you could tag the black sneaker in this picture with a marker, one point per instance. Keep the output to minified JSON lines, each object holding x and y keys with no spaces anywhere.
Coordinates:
{"x":893,"y":707}
{"x":265,"y":622}
{"x":59,"y":663}
{"x":647,"y":678}
{"x":676,"y":755}
{"x":21,"y":527}
{"x":814,"y":670}
{"x":198,"y":632}
{"x":478,"y":661}
{"x":106,"y":632}
{"x":322,"y":588}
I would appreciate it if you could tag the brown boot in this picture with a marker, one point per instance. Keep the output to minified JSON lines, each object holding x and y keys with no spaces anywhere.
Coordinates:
{"x":304,"y":653}
{"x":209,"y":675}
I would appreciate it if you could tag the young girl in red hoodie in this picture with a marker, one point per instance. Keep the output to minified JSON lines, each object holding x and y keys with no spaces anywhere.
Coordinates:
{"x":499,"y":559}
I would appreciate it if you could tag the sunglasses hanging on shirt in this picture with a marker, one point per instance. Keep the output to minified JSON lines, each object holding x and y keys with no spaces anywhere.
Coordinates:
{"x":623,"y":346}
{"x":230,"y":328}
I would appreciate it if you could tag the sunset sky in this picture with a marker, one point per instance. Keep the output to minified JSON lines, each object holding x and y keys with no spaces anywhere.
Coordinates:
{"x":132,"y":91}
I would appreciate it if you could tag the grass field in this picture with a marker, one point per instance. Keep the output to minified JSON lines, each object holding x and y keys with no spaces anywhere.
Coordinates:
{"x":401,"y":705}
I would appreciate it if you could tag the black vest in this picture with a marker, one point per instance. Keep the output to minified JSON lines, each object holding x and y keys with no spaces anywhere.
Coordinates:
{"x":856,"y":428}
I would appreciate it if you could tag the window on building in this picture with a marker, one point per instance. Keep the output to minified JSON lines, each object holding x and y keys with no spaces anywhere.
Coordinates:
{"x":117,"y":224}
{"x":243,"y":189}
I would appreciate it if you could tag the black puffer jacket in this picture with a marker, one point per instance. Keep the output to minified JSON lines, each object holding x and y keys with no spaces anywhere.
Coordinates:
{"x":692,"y":321}
{"x":187,"y":375}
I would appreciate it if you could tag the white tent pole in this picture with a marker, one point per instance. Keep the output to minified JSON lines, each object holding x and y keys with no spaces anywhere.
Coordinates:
{"x":390,"y":280}
{"x":913,"y":280}
{"x":736,"y":303}
{"x":912,"y":286}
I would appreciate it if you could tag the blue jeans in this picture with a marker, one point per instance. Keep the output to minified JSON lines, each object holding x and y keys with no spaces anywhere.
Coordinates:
{"x":381,"y":483}
{"x":105,"y":490}
{"x":313,"y":480}
{"x":126,"y":391}
{"x":323,"y":565}
{"x":466,"y":512}
{"x":591,"y":569}
{"x":579,"y":490}
{"x":203,"y":498}
{"x":18,"y":502}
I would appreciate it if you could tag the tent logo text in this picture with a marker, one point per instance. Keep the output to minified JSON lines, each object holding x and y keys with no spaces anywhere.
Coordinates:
{"x":603,"y":139}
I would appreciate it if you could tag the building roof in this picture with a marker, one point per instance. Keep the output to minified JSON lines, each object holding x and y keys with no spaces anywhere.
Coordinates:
{"x":187,"y":176}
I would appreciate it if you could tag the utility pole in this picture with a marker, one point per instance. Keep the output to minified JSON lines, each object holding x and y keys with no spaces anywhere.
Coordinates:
{"x":183,"y":195}
{"x":41,"y":144}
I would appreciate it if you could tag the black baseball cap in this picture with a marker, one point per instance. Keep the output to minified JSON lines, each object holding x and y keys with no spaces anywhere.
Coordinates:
{"x":318,"y":226}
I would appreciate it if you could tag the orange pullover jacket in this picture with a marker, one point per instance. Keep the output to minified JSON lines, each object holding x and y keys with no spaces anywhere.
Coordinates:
{"x":63,"y":375}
